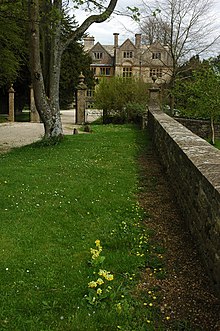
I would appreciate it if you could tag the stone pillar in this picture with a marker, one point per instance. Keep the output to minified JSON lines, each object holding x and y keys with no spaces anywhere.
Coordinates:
{"x":11,"y":114}
{"x":81,"y":90}
{"x":154,"y":98}
{"x":35,"y":118}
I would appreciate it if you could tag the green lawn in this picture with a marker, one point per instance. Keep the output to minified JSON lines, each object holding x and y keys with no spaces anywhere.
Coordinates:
{"x":217,"y":143}
{"x":55,"y":203}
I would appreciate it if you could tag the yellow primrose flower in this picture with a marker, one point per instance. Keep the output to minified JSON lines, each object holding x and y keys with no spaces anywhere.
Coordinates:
{"x":99,"y":291}
{"x":100,"y":281}
{"x":102,"y":272}
{"x":109,"y":277}
{"x":97,"y":242}
{"x":94,"y":251}
{"x":92,"y":284}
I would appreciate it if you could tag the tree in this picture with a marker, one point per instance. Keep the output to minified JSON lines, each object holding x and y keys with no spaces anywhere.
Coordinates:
{"x":12,"y":42}
{"x":185,"y":25}
{"x":69,"y":75}
{"x":122,"y":99}
{"x":155,"y":30}
{"x":47,"y":100}
{"x":201,"y":95}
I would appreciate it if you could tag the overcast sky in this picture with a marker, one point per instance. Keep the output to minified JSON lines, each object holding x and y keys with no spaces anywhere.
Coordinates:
{"x":103,"y":32}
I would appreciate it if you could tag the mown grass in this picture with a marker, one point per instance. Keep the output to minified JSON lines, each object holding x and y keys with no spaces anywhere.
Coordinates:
{"x":217,"y":143}
{"x":55,"y":203}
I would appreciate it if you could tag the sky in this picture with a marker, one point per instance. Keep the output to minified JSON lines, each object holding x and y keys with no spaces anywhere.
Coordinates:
{"x":103,"y":32}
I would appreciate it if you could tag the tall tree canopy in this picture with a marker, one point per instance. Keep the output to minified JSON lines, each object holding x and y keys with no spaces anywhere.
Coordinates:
{"x":13,"y":48}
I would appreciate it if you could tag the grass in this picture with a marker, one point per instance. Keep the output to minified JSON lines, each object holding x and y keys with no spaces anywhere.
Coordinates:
{"x":217,"y":143}
{"x":19,"y":117}
{"x":56,"y":201}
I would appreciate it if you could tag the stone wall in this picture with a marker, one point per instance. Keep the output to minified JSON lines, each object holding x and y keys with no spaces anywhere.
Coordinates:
{"x":193,"y":168}
{"x":200,"y":127}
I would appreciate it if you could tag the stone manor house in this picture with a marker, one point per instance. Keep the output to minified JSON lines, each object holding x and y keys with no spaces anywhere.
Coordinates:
{"x":130,"y":59}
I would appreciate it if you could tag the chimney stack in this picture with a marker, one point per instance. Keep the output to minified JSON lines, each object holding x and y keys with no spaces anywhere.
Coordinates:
{"x":89,"y":42}
{"x":116,"y":39}
{"x":138,"y":40}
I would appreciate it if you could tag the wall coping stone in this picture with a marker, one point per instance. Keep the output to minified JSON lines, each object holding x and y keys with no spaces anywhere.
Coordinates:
{"x":203,"y":155}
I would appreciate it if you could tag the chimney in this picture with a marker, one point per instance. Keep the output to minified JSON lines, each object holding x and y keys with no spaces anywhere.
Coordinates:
{"x":88,"y":42}
{"x":138,"y":40}
{"x":116,"y":39}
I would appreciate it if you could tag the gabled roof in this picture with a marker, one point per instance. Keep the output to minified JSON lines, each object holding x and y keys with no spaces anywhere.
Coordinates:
{"x":157,"y":45}
{"x":110,"y":49}
{"x":126,"y":42}
{"x":105,"y":48}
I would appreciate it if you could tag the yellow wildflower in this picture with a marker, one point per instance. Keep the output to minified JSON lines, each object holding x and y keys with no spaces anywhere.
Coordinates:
{"x":99,"y":291}
{"x":95,"y":253}
{"x":100,"y":281}
{"x":97,"y":242}
{"x":109,"y":277}
{"x":92,"y":284}
{"x":102,"y":272}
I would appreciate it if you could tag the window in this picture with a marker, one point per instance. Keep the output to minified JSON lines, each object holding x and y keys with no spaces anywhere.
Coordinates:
{"x":127,"y":72}
{"x":105,"y":71}
{"x":98,"y":55}
{"x":90,"y":93}
{"x":156,"y":55}
{"x":94,"y":71}
{"x":128,"y":54}
{"x":156,"y":72}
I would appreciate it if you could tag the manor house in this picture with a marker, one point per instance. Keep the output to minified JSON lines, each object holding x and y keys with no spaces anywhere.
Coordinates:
{"x":130,"y":59}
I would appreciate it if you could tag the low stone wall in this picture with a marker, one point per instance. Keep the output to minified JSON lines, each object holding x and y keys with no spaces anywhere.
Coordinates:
{"x":200,"y":127}
{"x":193,"y":167}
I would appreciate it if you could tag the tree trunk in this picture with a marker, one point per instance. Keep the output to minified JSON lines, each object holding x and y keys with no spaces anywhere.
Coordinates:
{"x":47,"y":107}
{"x":46,"y":89}
{"x":213,"y":130}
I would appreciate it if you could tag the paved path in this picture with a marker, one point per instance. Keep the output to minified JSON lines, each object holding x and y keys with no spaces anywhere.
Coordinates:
{"x":23,"y":133}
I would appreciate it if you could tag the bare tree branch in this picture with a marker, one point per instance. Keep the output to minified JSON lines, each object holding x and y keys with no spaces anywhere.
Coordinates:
{"x":99,"y":18}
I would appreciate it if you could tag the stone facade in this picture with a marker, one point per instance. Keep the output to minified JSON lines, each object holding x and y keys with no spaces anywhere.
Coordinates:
{"x":193,"y":168}
{"x":130,"y":59}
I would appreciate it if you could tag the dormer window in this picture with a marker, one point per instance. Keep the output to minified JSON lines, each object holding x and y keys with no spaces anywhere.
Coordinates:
{"x":98,"y":55}
{"x":156,"y":56}
{"x":127,"y":54}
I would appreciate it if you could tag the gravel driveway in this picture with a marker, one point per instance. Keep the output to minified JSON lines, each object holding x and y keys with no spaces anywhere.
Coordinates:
{"x":19,"y":134}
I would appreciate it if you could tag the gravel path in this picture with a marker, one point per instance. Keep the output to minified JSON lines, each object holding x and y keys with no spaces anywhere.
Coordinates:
{"x":19,"y":134}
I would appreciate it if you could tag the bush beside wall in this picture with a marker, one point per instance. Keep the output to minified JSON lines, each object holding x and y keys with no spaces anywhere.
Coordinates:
{"x":193,"y":167}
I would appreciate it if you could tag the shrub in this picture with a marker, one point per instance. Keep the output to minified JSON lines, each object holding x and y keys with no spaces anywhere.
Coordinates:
{"x":123,"y":100}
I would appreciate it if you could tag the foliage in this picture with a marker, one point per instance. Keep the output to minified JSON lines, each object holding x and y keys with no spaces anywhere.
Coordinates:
{"x":199,"y":97}
{"x":200,"y":94}
{"x":123,"y":99}
{"x":74,"y":61}
{"x":13,"y":47}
